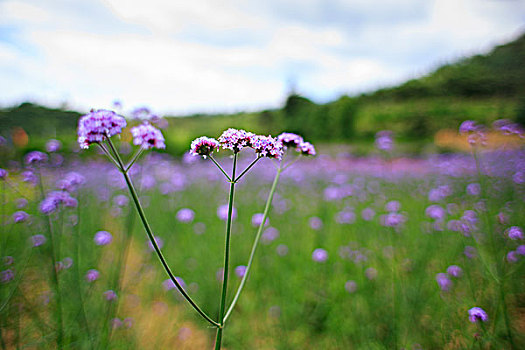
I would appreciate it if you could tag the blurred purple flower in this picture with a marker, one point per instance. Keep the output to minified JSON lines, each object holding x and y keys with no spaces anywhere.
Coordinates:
{"x":35,"y":157}
{"x":477,"y":314}
{"x":435,"y":212}
{"x":71,"y":181}
{"x":345,"y":217}
{"x":38,"y":240}
{"x":3,"y":173}
{"x":54,"y":199}
{"x":222,"y":212}
{"x":240,"y":271}
{"x":128,"y":322}
{"x":20,"y":216}
{"x":185,"y":215}
{"x":8,"y":260}
{"x":158,"y":240}
{"x":307,"y":149}
{"x":103,"y":238}
{"x":444,"y":282}
{"x":320,"y":255}
{"x":514,"y":233}
{"x":351,"y":286}
{"x":521,"y":249}
{"x":470,"y":252}
{"x":269,"y":235}
{"x":257,"y":220}
{"x":7,"y":276}
{"x":21,"y":203}
{"x":110,"y":295}
{"x":368,"y":214}
{"x":454,"y":271}
{"x":384,"y":140}
{"x":512,"y":256}
{"x":315,"y":223}
{"x":282,"y":249}
{"x":53,"y":145}
{"x":474,"y":189}
{"x":92,"y":275}
{"x":199,"y":228}
{"x":371,"y":273}
{"x":392,"y":206}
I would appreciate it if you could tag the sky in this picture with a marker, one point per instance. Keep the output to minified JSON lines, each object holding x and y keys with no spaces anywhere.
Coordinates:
{"x":201,"y":56}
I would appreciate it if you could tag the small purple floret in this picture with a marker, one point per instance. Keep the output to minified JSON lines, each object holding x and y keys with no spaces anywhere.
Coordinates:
{"x":103,"y":238}
{"x":514,"y":233}
{"x":147,"y":136}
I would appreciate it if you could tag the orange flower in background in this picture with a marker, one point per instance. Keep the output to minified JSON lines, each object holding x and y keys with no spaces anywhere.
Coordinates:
{"x":20,"y":137}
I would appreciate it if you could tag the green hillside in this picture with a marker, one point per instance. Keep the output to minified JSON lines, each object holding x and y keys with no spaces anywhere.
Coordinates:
{"x":483,"y":87}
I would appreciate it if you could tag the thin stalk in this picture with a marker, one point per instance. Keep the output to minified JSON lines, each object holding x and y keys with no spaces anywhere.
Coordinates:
{"x":120,"y":166}
{"x":54,"y":272}
{"x":151,"y":237}
{"x":134,"y":159}
{"x":218,"y":339}
{"x":499,"y":281}
{"x":255,"y":244}
{"x":220,"y":168}
{"x":76,"y":272}
{"x":247,"y":168}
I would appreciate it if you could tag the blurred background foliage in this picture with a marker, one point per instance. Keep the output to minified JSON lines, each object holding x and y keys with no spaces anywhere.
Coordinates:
{"x":482,"y":88}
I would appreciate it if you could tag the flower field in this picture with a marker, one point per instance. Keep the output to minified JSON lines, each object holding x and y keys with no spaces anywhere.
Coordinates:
{"x":380,"y":252}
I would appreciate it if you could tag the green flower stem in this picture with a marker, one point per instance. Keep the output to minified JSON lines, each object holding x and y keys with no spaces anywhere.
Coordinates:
{"x":134,"y":159}
{"x":218,"y":339}
{"x":247,"y":168}
{"x":54,"y":273}
{"x":255,"y":243}
{"x":151,"y":237}
{"x":499,"y":281}
{"x":220,"y":168}
{"x":110,"y":156}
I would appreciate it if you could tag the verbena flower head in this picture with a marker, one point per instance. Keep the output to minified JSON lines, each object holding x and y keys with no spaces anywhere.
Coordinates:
{"x":71,"y":181}
{"x":266,"y":146}
{"x":435,"y":212}
{"x":307,"y":149}
{"x":521,"y":249}
{"x":468,"y":126}
{"x":512,"y":257}
{"x":514,"y":233}
{"x":103,"y":238}
{"x":320,"y":255}
{"x":110,"y":295}
{"x":290,"y":140}
{"x":384,"y":140}
{"x":20,"y":216}
{"x":35,"y":157}
{"x":454,"y":271}
{"x":240,"y":271}
{"x":53,"y":145}
{"x":38,"y":240}
{"x":185,"y":215}
{"x":147,"y":136}
{"x":92,"y":275}
{"x":235,"y":140}
{"x":508,"y":127}
{"x":95,"y":126}
{"x":203,"y":146}
{"x":444,"y":282}
{"x":351,"y":286}
{"x":53,"y":201}
{"x":3,"y":173}
{"x":477,"y":314}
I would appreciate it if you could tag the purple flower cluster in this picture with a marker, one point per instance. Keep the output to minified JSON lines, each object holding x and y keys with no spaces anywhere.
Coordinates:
{"x":53,"y":145}
{"x":290,"y":140}
{"x":266,"y":146}
{"x":185,"y":215}
{"x":35,"y":157}
{"x":71,"y":181}
{"x":477,"y":314}
{"x":514,"y":233}
{"x":103,"y":238}
{"x":476,"y":133}
{"x":54,"y":199}
{"x":3,"y":173}
{"x":384,"y":140}
{"x":235,"y":140}
{"x":97,"y":125}
{"x":443,"y":279}
{"x":147,"y":136}
{"x":203,"y":146}
{"x":20,"y":216}
{"x":508,"y":127}
{"x":320,"y":255}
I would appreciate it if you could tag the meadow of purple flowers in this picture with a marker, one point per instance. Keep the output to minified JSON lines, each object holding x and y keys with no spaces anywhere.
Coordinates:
{"x":358,"y":253}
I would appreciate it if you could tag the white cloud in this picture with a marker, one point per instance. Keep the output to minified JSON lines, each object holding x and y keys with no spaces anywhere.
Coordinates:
{"x":171,"y":55}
